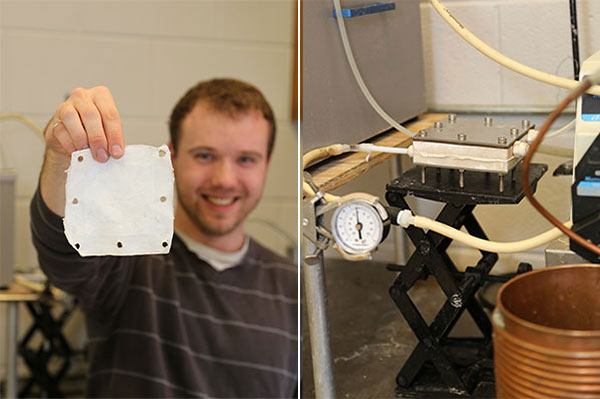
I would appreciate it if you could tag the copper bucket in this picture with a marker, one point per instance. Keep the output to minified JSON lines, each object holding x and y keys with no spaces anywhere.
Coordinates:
{"x":547,"y":334}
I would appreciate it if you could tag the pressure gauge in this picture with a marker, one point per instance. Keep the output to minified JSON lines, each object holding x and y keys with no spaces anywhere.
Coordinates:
{"x":359,"y":225}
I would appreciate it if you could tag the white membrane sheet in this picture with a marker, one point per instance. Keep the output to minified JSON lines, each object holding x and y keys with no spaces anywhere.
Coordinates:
{"x":123,"y":206}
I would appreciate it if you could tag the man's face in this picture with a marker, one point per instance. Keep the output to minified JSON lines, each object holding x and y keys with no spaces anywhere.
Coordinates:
{"x":220,"y":168}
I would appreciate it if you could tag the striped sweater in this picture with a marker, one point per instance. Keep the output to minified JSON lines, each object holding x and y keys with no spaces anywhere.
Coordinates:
{"x":171,"y":325}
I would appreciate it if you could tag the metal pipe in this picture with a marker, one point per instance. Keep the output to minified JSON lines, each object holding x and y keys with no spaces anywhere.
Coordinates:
{"x":313,"y":273}
{"x":11,"y":373}
{"x":401,"y":248}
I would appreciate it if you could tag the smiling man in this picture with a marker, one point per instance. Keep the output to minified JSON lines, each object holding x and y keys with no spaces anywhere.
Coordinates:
{"x":217,"y":316}
{"x":219,"y":183}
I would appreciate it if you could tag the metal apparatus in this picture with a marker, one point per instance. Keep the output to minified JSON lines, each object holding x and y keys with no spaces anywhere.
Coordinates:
{"x":439,"y":363}
{"x":48,"y":363}
{"x":465,"y":144}
{"x":585,"y":191}
{"x":359,"y":225}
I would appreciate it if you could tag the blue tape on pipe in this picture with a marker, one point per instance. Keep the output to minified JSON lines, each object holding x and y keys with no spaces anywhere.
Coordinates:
{"x":366,"y":10}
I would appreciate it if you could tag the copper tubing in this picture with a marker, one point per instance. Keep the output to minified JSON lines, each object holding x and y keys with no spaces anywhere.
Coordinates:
{"x":574,"y":94}
{"x":547,"y":334}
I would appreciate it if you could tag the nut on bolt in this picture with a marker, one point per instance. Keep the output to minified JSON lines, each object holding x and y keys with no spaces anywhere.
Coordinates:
{"x":456,"y":300}
{"x":424,"y":247}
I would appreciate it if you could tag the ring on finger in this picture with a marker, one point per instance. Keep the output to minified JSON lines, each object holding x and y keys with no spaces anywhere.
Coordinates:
{"x":56,"y":125}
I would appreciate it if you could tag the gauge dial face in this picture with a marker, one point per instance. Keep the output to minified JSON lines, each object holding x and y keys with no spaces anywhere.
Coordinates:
{"x":357,"y":227}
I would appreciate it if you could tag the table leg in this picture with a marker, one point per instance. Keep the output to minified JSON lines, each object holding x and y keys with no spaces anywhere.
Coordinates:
{"x":11,"y":374}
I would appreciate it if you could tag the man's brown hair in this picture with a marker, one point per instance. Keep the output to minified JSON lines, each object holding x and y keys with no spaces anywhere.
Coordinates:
{"x":229,"y":96}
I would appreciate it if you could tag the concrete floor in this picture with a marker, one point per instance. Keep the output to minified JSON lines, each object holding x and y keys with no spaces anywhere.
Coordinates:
{"x":370,"y":340}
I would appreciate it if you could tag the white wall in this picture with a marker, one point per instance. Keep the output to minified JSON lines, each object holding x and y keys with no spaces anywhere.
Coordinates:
{"x":148,"y":53}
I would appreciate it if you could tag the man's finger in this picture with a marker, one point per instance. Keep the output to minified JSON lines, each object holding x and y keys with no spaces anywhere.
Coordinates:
{"x":71,"y":125}
{"x":64,"y":138}
{"x":92,"y":122}
{"x":111,"y":120}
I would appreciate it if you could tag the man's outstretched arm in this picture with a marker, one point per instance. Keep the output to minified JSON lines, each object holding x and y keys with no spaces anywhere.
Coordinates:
{"x":89,"y":119}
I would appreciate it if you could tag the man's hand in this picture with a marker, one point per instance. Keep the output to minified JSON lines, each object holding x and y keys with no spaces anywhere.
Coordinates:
{"x":87,"y":119}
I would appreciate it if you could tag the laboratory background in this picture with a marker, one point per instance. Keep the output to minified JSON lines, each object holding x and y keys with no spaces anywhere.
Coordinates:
{"x":148,"y":53}
{"x":380,"y":315}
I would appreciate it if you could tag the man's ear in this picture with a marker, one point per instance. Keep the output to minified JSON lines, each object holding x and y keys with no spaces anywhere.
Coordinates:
{"x":172,"y":150}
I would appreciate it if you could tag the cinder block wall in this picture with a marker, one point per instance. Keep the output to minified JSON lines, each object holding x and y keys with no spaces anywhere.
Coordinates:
{"x":147,"y":53}
{"x":533,"y":32}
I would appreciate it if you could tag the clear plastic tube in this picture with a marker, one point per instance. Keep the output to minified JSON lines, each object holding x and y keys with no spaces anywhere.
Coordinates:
{"x":357,"y":75}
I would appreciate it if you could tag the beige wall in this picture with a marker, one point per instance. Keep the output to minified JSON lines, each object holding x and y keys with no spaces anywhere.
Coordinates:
{"x":148,"y":53}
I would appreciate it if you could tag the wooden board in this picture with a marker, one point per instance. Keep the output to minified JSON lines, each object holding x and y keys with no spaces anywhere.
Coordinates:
{"x":37,"y":282}
{"x":18,"y":293}
{"x":337,"y":171}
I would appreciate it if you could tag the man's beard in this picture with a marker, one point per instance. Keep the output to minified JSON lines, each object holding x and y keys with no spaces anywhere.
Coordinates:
{"x":205,"y":226}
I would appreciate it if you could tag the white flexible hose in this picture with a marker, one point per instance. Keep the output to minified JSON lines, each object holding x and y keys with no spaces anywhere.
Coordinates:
{"x":368,"y":147}
{"x":562,"y":152}
{"x":337,"y":149}
{"x":357,"y":75}
{"x":563,"y":129}
{"x":22,"y":118}
{"x":323,"y":152}
{"x":501,"y":58}
{"x":406,"y":218}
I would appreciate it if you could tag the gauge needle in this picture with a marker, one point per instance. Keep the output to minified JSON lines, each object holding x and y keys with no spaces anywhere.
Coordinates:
{"x":358,"y":225}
